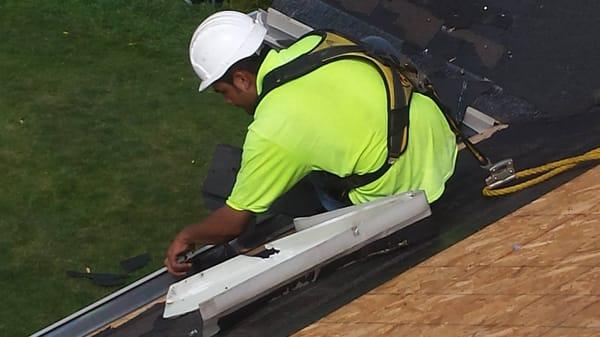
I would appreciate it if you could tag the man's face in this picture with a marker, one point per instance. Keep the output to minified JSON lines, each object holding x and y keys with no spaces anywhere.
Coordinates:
{"x":242,"y":93}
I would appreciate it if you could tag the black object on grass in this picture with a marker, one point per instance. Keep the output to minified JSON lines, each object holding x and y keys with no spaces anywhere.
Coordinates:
{"x":134,"y":263}
{"x":101,"y":279}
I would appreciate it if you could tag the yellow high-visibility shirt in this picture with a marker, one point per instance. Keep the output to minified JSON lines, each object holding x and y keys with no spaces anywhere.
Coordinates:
{"x":334,"y":119}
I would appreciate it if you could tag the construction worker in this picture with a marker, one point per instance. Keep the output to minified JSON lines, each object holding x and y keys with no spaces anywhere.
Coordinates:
{"x":330,"y":123}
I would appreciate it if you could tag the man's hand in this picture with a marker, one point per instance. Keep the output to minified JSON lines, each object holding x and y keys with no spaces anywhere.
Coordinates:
{"x":221,"y":226}
{"x":174,"y":261}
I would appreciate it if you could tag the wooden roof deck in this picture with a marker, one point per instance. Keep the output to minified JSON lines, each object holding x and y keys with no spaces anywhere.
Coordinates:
{"x":533,"y":273}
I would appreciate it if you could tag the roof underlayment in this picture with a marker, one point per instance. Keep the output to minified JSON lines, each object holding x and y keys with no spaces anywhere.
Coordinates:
{"x":530,"y":64}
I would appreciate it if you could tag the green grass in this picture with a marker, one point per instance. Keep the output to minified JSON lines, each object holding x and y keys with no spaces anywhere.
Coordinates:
{"x":104,"y":143}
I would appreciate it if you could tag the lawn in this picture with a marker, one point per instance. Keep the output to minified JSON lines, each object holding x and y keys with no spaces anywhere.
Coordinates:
{"x":104,"y":143}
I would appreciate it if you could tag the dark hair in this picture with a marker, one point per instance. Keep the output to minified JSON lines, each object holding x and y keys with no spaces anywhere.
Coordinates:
{"x":249,"y":64}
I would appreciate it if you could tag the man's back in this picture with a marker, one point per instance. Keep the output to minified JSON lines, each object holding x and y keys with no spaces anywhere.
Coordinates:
{"x":333,"y":119}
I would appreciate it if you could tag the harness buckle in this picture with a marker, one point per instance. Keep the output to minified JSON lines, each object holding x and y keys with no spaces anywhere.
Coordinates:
{"x":501,"y":173}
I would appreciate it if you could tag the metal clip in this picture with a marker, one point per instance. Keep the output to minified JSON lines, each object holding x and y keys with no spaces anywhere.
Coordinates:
{"x":501,"y":173}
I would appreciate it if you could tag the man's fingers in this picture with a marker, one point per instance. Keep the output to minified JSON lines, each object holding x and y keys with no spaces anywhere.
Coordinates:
{"x":174,"y":263}
{"x":176,"y":268}
{"x":175,"y":271}
{"x":180,"y":267}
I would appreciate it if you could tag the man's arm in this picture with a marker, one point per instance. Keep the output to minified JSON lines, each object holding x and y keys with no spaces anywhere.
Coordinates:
{"x":222,"y":225}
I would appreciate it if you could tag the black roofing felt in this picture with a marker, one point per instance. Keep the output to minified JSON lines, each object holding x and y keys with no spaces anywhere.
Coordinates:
{"x":542,"y":51}
{"x":540,"y":59}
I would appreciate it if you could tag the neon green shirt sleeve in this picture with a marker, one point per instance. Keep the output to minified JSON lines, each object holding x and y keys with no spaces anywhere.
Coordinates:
{"x":267,"y":171}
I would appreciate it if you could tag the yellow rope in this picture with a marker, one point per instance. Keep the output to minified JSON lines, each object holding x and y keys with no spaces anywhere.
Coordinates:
{"x":549,"y":170}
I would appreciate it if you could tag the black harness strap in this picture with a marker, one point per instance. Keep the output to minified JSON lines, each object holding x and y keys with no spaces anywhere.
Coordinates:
{"x":481,"y":158}
{"x":303,"y":65}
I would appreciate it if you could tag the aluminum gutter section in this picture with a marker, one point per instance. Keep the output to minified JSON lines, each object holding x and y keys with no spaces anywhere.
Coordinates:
{"x":234,"y":283}
{"x":477,"y":120}
{"x":113,"y":306}
{"x":282,"y":30}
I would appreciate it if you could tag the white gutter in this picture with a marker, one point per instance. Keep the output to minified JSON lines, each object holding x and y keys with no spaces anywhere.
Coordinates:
{"x":234,"y":283}
{"x":114,"y":305}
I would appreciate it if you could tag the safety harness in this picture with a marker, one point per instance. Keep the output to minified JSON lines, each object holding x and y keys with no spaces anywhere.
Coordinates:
{"x":400,"y":83}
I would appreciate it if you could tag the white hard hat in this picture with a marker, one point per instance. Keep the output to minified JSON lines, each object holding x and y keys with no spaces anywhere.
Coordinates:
{"x":220,"y":41}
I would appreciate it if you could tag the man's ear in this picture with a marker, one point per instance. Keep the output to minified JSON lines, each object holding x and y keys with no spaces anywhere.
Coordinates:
{"x":244,"y":80}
